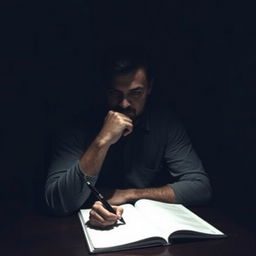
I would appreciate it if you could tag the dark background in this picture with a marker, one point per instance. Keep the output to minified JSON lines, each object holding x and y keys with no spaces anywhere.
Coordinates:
{"x":204,"y":54}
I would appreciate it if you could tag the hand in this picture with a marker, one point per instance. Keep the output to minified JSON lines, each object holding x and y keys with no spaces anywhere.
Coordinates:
{"x":115,"y":125}
{"x":101,"y":217}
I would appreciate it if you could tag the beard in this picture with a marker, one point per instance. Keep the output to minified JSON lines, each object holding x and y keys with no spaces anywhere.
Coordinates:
{"x":130,"y":112}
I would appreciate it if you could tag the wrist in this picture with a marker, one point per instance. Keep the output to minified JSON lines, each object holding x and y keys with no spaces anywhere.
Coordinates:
{"x":102,"y":142}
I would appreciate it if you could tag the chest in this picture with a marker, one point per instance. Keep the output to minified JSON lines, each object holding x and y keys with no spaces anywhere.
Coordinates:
{"x":135,"y":161}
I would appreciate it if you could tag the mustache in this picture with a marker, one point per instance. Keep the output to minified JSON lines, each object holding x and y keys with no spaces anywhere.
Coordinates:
{"x":124,"y":110}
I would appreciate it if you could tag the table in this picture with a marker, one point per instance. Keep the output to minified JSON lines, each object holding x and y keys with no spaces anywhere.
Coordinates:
{"x":30,"y":233}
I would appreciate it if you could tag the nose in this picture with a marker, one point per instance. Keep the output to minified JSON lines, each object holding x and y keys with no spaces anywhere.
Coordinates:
{"x":124,"y":103}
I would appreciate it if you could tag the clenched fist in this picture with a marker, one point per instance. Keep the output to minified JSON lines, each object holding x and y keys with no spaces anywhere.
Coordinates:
{"x":115,"y":125}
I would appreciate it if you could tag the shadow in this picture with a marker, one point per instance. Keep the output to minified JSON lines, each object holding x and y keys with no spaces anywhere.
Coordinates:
{"x":117,"y":224}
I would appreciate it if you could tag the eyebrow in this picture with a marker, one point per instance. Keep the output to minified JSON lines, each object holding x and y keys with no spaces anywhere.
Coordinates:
{"x":137,"y":88}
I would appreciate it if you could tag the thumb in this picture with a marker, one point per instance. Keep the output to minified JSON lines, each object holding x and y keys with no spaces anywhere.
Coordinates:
{"x":127,"y":131}
{"x":119,"y":211}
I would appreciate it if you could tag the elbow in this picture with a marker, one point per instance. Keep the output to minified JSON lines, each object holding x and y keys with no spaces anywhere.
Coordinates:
{"x":64,"y":202}
{"x":206,"y":195}
{"x":204,"y":192}
{"x":55,"y":203}
{"x":193,"y":192}
{"x":56,"y":209}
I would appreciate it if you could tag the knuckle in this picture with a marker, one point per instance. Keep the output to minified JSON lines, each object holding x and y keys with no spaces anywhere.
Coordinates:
{"x":97,"y":205}
{"x":95,"y":223}
{"x":110,"y":223}
{"x":109,"y":217}
{"x":92,"y":214}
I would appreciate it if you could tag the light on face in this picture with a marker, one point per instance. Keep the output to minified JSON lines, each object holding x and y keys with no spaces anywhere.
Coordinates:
{"x":124,"y":103}
{"x":116,"y":97}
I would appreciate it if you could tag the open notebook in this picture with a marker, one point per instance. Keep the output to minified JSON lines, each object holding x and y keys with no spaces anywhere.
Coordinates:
{"x":148,"y":223}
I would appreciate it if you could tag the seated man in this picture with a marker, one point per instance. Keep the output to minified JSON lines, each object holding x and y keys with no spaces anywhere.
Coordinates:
{"x":129,"y":149}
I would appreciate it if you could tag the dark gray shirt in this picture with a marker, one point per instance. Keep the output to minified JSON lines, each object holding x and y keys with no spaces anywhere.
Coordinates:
{"x":158,"y":152}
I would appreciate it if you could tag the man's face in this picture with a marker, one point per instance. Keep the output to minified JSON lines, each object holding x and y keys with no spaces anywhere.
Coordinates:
{"x":129,"y":93}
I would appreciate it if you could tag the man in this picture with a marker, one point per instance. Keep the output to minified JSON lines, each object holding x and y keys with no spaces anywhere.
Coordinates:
{"x":129,"y":150}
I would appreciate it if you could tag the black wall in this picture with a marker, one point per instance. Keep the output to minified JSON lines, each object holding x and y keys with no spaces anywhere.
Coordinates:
{"x":204,"y":54}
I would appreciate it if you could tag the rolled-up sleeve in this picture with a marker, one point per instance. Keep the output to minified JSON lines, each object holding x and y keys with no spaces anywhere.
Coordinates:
{"x":65,"y":189}
{"x":191,"y":183}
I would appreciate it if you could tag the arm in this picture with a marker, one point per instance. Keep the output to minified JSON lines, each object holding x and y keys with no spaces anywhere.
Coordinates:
{"x":115,"y":125}
{"x":163,"y":194}
{"x":191,"y":185}
{"x":66,"y":190}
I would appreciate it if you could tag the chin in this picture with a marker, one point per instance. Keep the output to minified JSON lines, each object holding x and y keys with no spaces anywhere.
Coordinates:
{"x":133,"y":117}
{"x":130,"y":115}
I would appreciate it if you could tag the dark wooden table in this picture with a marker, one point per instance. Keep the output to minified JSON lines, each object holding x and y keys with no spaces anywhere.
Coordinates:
{"x":27,"y":233}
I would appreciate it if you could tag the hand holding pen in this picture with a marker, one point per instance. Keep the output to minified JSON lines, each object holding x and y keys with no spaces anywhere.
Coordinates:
{"x":102,"y":213}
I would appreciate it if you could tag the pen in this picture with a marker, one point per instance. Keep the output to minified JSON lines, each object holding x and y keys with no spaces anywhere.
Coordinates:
{"x":100,"y":197}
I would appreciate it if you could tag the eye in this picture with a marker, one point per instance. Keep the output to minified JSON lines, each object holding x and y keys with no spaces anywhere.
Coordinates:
{"x":136,"y":93}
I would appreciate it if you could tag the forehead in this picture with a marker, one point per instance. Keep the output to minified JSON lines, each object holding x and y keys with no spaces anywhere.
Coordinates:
{"x":131,"y":80}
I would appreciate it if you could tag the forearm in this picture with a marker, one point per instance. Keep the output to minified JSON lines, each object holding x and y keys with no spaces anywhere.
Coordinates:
{"x":164,"y":194}
{"x":92,"y":160}
{"x":121,"y":196}
{"x":66,"y":190}
{"x":115,"y":126}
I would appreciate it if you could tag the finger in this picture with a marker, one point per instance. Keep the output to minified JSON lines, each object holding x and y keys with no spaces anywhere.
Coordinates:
{"x":95,"y":217}
{"x":100,"y":217}
{"x":126,"y":118}
{"x":122,"y":116}
{"x":97,"y":220}
{"x":109,"y":115}
{"x":128,"y":129}
{"x":103,"y":212}
{"x":119,"y":211}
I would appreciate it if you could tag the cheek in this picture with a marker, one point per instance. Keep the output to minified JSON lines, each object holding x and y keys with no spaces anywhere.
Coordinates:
{"x":140,"y":105}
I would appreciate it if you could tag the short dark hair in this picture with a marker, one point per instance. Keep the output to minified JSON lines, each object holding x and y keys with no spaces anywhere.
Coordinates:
{"x":121,"y":60}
